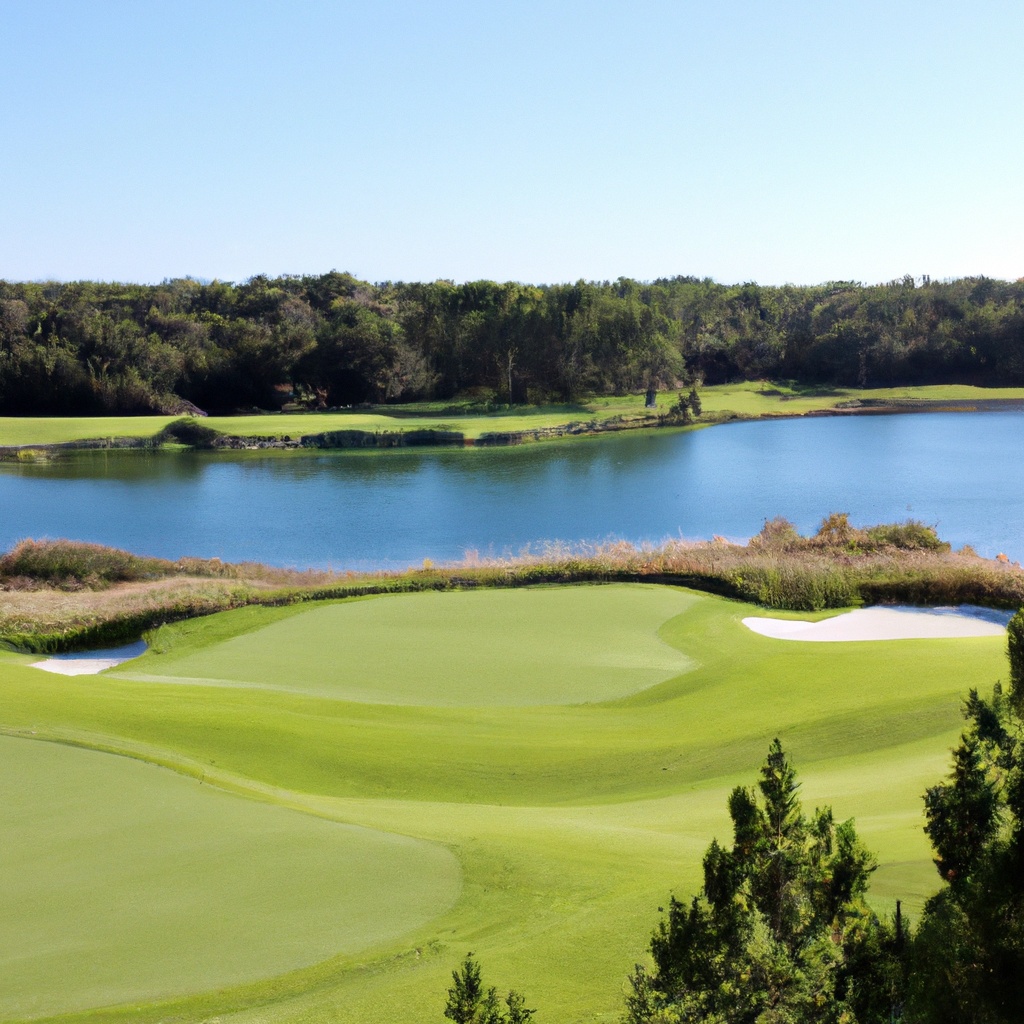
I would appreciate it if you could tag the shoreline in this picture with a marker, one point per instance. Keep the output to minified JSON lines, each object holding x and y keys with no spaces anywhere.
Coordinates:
{"x":440,"y":438}
{"x":102,"y":597}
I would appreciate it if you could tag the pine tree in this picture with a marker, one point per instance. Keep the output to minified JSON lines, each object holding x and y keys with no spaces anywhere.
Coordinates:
{"x":470,"y":1003}
{"x":969,"y":950}
{"x":780,"y":930}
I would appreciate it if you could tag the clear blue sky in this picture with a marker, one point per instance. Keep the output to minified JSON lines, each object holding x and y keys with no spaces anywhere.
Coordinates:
{"x":537,"y":141}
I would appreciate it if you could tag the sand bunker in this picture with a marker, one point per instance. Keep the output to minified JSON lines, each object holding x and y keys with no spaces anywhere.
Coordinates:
{"x":88,"y":663}
{"x":897,"y":622}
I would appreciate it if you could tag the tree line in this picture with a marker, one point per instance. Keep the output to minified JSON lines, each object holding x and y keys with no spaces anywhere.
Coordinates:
{"x":332,"y":340}
{"x":781,"y":931}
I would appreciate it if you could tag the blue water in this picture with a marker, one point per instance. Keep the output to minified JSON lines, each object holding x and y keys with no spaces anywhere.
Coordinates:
{"x":957,"y":471}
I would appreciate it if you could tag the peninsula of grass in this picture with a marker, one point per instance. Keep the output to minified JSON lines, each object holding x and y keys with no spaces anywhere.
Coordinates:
{"x":470,"y":423}
{"x":552,"y":762}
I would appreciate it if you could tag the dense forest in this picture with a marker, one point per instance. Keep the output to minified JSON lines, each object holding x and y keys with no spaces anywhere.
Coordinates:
{"x":332,"y":340}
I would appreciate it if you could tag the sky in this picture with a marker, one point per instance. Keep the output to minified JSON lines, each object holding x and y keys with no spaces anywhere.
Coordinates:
{"x":542,"y":142}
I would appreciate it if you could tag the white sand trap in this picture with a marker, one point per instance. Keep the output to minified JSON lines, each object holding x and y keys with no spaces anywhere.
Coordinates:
{"x":895,"y":622}
{"x":89,"y":663}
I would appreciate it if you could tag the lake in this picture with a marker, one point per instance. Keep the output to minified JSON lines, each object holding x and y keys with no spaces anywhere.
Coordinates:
{"x":361,"y":510}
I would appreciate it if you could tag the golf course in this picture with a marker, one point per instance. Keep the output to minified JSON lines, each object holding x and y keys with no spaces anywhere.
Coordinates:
{"x":311,"y":813}
{"x":720,"y":402}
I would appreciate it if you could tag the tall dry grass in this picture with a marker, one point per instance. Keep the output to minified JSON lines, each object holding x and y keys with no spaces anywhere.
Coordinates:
{"x":58,"y":595}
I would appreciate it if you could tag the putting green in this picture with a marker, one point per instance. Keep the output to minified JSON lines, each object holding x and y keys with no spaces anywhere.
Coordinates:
{"x":126,"y":882}
{"x":565,"y":645}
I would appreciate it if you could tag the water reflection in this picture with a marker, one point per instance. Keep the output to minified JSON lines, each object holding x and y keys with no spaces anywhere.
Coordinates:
{"x":361,"y":509}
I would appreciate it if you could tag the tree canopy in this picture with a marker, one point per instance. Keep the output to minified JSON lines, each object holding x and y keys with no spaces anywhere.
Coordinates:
{"x":89,"y":347}
{"x":969,"y":950}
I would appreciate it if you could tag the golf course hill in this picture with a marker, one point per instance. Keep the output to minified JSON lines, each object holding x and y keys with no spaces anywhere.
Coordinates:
{"x":313,"y":793}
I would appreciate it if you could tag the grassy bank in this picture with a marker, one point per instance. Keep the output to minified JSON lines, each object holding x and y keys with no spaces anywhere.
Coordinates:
{"x":473,"y":423}
{"x":61,"y":595}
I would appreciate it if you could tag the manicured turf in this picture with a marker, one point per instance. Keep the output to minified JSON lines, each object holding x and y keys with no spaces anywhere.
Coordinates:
{"x":751,"y":398}
{"x":124,"y":882}
{"x":16,"y":430}
{"x":571,"y":822}
{"x":497,"y":648}
{"x":759,"y":398}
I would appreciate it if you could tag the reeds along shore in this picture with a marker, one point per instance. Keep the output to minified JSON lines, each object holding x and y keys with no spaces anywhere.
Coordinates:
{"x":63,"y":595}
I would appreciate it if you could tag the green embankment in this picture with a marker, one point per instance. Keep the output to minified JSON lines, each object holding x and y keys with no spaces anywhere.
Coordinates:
{"x":750,"y":399}
{"x":571,"y":822}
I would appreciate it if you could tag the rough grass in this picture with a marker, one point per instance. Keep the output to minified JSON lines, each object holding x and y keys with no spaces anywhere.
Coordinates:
{"x":73,"y":564}
{"x":839,"y":566}
{"x":571,"y":823}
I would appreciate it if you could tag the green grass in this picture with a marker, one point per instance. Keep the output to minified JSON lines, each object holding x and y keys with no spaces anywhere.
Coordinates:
{"x":571,"y":822}
{"x":496,"y":648}
{"x":752,"y":398}
{"x":123,"y":882}
{"x":21,"y":430}
{"x":759,"y":398}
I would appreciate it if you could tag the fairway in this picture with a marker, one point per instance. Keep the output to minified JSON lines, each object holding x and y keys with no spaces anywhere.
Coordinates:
{"x":749,"y":398}
{"x":122,"y":881}
{"x":492,"y":648}
{"x":531,"y":774}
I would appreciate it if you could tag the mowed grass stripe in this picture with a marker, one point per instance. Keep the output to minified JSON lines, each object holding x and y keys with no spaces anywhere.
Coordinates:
{"x":491,"y":648}
{"x":125,"y":882}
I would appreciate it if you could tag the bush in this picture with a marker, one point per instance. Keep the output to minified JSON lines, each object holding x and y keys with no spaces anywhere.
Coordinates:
{"x":777,"y":534}
{"x":69,"y":562}
{"x":187,"y":431}
{"x":912,"y":535}
{"x":836,"y":532}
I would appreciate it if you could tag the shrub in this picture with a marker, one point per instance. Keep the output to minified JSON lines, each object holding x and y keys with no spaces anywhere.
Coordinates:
{"x":912,"y":535}
{"x":187,"y":431}
{"x":836,"y":531}
{"x":777,"y":534}
{"x":67,"y":562}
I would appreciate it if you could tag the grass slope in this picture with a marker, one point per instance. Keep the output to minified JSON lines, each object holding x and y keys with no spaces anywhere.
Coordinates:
{"x":752,"y":398}
{"x":571,"y":823}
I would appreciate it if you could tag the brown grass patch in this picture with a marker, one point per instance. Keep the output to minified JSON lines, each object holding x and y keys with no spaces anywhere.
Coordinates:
{"x":837,"y":567}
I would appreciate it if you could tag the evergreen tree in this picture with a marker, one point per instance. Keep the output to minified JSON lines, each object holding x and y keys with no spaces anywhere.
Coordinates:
{"x":693,"y":400}
{"x":470,"y":1003}
{"x":1015,"y":650}
{"x":969,"y":950}
{"x":780,"y":931}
